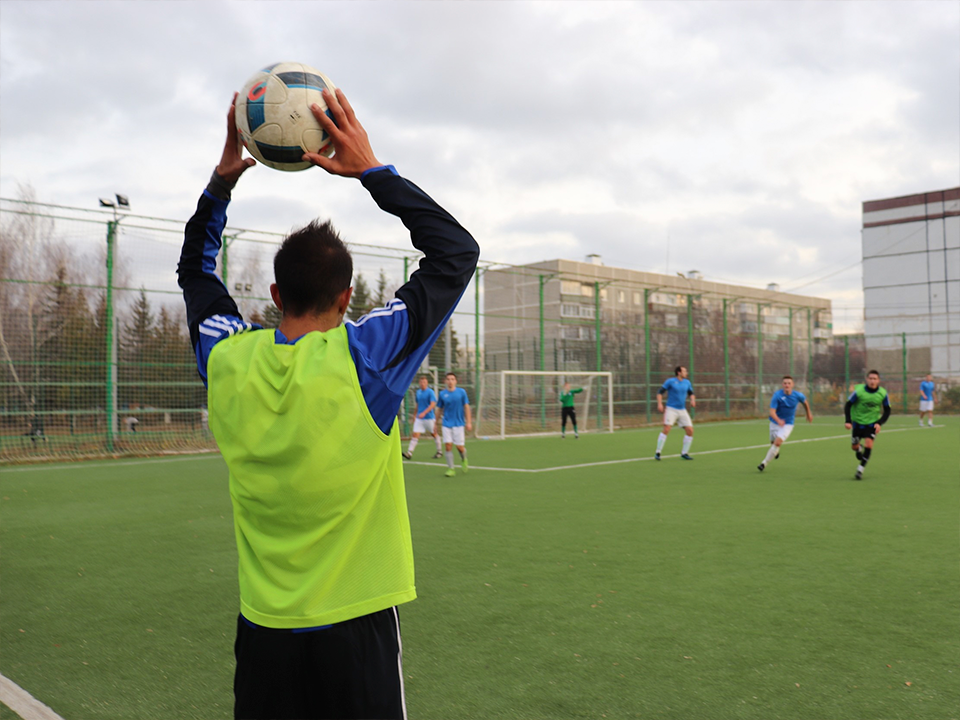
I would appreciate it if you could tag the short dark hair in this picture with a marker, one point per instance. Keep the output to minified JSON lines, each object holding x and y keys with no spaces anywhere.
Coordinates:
{"x":787,"y":377}
{"x":873,"y":372}
{"x":312,"y":268}
{"x":450,"y":373}
{"x":677,"y":369}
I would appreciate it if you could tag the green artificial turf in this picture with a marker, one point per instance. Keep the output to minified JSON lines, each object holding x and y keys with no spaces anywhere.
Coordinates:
{"x":670,"y":589}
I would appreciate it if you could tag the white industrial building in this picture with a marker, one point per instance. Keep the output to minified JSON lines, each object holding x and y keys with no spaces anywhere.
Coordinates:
{"x":911,"y":283}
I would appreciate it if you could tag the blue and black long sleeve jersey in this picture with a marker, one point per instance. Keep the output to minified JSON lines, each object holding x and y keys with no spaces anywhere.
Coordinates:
{"x":387,"y":344}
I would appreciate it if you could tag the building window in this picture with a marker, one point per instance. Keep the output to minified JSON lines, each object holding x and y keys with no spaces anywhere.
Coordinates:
{"x":637,"y":300}
{"x":569,"y":287}
{"x":574,"y":310}
{"x":671,"y":319}
{"x":621,"y":296}
{"x":586,"y":289}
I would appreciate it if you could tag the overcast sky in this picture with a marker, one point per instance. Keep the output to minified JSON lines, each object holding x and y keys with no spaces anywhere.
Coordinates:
{"x":736,"y":138}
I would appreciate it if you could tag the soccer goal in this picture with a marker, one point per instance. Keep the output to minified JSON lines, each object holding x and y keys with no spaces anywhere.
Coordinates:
{"x":527,"y":402}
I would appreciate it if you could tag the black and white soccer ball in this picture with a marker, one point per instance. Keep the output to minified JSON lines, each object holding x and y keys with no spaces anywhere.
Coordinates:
{"x":274,"y":118}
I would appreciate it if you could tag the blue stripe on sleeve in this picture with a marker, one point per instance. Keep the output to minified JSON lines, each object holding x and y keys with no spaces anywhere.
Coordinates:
{"x":366,"y":172}
{"x":375,"y":340}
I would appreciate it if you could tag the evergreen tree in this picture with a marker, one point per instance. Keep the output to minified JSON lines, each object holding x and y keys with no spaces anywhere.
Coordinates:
{"x":381,"y":298}
{"x":134,"y":345}
{"x":270,"y":316}
{"x":360,"y":302}
{"x":438,"y":351}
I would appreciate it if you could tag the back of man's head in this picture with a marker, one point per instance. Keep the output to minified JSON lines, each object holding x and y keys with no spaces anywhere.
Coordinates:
{"x":312,"y":268}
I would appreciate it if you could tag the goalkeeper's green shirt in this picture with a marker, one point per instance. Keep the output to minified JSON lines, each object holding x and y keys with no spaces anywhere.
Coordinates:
{"x":566,"y":399}
{"x":867,"y":406}
{"x":320,"y":512}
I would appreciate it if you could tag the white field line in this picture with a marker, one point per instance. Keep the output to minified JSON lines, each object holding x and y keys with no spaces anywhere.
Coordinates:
{"x":110,"y":463}
{"x":23,"y":703}
{"x":650,"y":457}
{"x":211,"y":455}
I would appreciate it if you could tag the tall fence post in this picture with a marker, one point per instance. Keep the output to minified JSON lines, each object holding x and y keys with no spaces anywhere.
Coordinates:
{"x":476,"y":336}
{"x":541,"y":366}
{"x":846,"y":366}
{"x":646,"y":348}
{"x":790,"y":342}
{"x":809,"y":350}
{"x":596,"y":302}
{"x":759,"y":355}
{"x":690,"y":344}
{"x":726,"y":361}
{"x":111,"y":348}
{"x":904,"y":355}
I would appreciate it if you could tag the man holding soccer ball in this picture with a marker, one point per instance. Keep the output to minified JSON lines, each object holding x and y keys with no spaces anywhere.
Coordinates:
{"x":305,"y":417}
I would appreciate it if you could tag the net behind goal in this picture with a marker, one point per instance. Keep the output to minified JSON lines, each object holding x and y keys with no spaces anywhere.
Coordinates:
{"x":523,"y":402}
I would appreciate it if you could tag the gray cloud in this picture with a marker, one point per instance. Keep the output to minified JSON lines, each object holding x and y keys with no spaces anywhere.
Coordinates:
{"x":750,"y":132}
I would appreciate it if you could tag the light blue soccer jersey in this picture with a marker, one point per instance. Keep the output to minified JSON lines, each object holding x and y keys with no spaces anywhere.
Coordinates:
{"x":676,"y":391}
{"x":927,"y":388}
{"x":786,"y":405}
{"x":424,"y":398}
{"x":452,"y":403}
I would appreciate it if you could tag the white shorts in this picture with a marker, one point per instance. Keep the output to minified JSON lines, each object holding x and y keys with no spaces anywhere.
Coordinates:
{"x":926,"y":406}
{"x":776,"y":431}
{"x":453,"y":435}
{"x":420,"y":425}
{"x":673,"y":416}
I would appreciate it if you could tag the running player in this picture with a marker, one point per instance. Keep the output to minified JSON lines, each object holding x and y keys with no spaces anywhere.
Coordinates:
{"x":425,"y":418}
{"x":306,"y":419}
{"x":928,"y":396}
{"x":568,"y":411}
{"x":455,"y":413}
{"x":867,"y":409}
{"x":676,"y":390}
{"x":783,"y":409}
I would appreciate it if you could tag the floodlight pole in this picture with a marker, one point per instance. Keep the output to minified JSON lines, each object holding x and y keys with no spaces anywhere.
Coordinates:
{"x":110,"y":321}
{"x":111,"y":346}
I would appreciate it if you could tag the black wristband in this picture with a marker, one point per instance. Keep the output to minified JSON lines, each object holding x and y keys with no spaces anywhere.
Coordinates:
{"x":218,"y":187}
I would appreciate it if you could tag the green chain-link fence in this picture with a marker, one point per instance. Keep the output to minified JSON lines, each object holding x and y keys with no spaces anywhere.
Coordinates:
{"x":95,"y":358}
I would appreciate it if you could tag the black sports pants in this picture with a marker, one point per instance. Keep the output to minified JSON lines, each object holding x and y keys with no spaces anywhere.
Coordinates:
{"x":348,"y":670}
{"x":567,"y":412}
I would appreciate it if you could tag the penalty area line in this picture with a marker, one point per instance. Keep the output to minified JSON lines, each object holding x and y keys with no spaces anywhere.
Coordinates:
{"x":23,"y":703}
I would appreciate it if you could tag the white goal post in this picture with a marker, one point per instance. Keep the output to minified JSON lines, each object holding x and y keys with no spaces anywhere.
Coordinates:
{"x":527,"y":402}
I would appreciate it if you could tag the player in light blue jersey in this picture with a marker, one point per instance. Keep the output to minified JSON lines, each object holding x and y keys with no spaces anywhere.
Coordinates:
{"x":425,"y":420}
{"x":928,"y":396}
{"x":783,"y":410}
{"x":676,"y":390}
{"x":455,"y":414}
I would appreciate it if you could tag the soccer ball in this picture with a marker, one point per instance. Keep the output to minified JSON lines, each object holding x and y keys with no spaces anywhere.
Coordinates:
{"x":274,"y":118}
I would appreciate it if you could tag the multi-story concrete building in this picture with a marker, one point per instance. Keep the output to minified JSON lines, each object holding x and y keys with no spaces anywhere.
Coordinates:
{"x":710,"y":327}
{"x":911,"y":283}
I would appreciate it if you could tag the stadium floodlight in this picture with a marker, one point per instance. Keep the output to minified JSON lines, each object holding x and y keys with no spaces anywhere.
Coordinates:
{"x":107,"y":203}
{"x":123,"y":202}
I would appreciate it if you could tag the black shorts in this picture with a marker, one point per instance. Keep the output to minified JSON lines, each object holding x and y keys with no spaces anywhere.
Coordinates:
{"x":349,"y":670}
{"x":862,"y":432}
{"x":568,"y":412}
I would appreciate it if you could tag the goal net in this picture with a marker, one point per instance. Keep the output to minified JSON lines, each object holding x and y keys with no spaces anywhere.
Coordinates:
{"x":525,"y":402}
